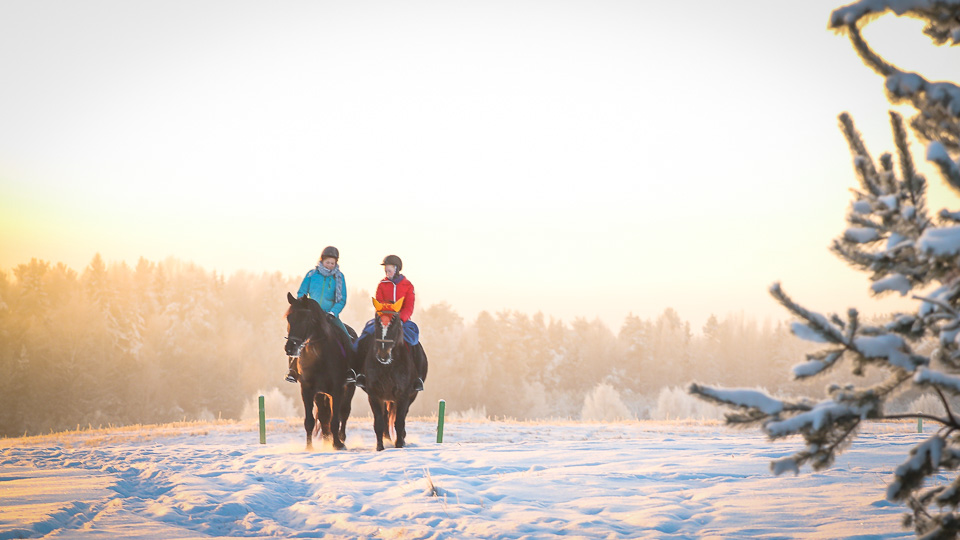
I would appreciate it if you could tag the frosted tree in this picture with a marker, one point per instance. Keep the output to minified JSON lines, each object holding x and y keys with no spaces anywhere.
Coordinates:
{"x":892,"y":236}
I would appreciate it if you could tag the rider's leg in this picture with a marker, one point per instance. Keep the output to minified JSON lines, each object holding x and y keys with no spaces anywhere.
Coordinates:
{"x":354,"y":375}
{"x":292,"y":374}
{"x":411,"y":334}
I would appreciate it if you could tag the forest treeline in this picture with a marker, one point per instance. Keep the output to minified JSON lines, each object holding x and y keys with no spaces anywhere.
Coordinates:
{"x":164,"y":341}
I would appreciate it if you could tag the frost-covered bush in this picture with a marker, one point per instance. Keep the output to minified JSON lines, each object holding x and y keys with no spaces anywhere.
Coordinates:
{"x":892,"y":236}
{"x":603,"y":404}
{"x":275,"y":405}
{"x":478,"y":413}
{"x":535,"y":401}
{"x":927,"y":404}
{"x":676,"y":404}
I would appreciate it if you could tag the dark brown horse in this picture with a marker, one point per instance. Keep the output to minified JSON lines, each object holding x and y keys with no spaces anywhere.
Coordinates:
{"x":391,"y":367}
{"x":323,"y":353}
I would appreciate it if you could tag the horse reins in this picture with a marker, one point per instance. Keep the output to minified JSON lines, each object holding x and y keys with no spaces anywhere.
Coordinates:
{"x":393,"y":315}
{"x":300,"y":343}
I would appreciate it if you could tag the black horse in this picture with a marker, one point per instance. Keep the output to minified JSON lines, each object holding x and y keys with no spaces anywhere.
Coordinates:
{"x":391,"y":367}
{"x":323,"y":353}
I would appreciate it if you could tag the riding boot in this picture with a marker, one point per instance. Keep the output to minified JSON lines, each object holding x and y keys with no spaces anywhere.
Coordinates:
{"x":419,"y":387}
{"x":292,"y":374}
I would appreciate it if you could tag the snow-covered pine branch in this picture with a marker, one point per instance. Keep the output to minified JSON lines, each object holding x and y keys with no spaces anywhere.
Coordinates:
{"x":949,"y":168}
{"x":938,"y":103}
{"x":742,"y":398}
{"x":887,"y":218}
{"x":891,"y":235}
{"x":943,"y":381}
{"x":817,"y":328}
{"x":941,"y":27}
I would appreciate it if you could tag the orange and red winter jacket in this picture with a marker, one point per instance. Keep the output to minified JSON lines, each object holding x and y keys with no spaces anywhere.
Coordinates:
{"x":392,"y":290}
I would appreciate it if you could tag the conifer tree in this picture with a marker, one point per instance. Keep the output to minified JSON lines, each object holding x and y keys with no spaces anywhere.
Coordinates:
{"x":892,"y":236}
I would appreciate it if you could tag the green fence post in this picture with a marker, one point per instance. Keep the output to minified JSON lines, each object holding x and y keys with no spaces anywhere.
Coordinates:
{"x":443,"y":405}
{"x":263,"y":424}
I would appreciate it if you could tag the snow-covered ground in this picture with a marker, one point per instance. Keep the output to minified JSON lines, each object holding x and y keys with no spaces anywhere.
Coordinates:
{"x":487,"y":480}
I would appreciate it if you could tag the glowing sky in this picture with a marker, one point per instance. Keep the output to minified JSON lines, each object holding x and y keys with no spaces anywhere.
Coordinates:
{"x":580,"y":158}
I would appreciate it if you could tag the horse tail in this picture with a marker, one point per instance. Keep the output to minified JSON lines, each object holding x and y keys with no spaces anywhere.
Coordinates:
{"x":391,"y":419}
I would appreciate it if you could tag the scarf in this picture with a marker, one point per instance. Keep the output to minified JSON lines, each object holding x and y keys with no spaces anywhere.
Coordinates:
{"x":397,"y":278}
{"x":335,"y":271}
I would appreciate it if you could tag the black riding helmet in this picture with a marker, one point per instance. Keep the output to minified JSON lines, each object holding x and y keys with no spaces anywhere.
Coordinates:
{"x":330,"y":251}
{"x":394,"y":260}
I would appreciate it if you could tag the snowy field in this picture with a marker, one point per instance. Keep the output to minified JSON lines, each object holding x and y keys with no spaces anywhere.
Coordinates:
{"x":487,"y":480}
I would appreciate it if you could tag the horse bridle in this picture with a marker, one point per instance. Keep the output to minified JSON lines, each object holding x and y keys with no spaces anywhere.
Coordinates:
{"x":393,"y":315}
{"x":389,"y":360}
{"x":300,"y":343}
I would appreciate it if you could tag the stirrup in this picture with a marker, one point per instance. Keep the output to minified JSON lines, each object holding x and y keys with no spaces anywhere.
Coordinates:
{"x":351,"y":377}
{"x":292,"y":376}
{"x":419,"y":387}
{"x":360,"y":381}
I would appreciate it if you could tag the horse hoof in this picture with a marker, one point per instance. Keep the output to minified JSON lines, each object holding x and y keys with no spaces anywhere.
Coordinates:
{"x":399,"y":444}
{"x":379,"y":448}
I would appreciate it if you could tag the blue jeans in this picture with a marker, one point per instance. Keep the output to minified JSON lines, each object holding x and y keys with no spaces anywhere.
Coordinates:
{"x":411,"y":332}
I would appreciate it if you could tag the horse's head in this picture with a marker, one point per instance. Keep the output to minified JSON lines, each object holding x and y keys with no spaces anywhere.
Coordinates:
{"x":388,"y":329}
{"x":303,"y":318}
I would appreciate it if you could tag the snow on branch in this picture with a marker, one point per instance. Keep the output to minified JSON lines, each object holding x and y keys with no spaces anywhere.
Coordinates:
{"x":889,"y":347}
{"x":937,"y":154}
{"x":895,"y":282}
{"x":861,"y":235}
{"x":940,"y":242}
{"x":930,"y":377}
{"x":940,"y":27}
{"x":816,"y":322}
{"x":742,"y":398}
{"x":924,"y":460}
{"x":816,"y":364}
{"x":821,"y":416}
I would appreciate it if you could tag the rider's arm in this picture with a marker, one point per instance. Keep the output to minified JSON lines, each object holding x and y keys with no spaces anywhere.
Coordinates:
{"x":305,"y":285}
{"x":407,"y":310}
{"x":338,"y":307}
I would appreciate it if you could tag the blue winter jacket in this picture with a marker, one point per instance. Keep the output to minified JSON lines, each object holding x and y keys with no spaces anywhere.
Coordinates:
{"x":323,"y":290}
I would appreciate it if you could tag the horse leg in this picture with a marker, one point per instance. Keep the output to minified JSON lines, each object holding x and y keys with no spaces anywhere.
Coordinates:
{"x":323,"y":414}
{"x":308,"y":420}
{"x":345,"y":406}
{"x":335,"y":404}
{"x":379,"y":422}
{"x":400,"y":424}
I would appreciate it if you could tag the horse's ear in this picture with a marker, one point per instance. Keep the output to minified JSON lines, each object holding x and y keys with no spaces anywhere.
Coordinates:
{"x":398,"y":304}
{"x":291,"y":299}
{"x":377,"y":305}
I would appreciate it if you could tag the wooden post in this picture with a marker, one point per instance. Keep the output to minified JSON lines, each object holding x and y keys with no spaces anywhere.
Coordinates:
{"x":440,"y":421}
{"x":263,"y":423}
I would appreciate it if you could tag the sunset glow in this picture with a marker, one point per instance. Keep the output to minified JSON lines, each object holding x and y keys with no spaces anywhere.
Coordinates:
{"x":579,"y":159}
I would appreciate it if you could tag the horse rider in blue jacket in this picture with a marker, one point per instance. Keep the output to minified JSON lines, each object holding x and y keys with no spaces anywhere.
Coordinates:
{"x":326,"y":285}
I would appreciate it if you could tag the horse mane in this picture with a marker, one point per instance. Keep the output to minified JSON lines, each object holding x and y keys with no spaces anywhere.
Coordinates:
{"x":323,"y":318}
{"x":304,"y":303}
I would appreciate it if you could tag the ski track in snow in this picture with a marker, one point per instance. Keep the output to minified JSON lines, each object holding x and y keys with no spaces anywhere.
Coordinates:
{"x":487,"y":480}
